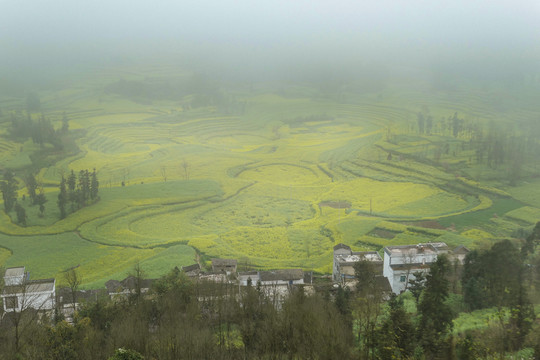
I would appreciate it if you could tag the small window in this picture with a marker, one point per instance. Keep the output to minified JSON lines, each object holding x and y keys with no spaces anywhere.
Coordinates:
{"x":402,"y":278}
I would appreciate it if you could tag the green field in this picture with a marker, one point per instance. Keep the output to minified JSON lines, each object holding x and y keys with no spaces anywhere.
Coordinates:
{"x":278,"y":183}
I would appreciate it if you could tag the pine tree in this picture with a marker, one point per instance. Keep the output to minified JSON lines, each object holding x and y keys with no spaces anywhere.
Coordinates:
{"x":62,"y":198}
{"x":435,"y":315}
{"x":31,"y":186}
{"x":396,"y":337}
{"x":21,"y":214}
{"x":65,"y":123}
{"x":71,"y":185}
{"x":41,"y":200}
{"x":84,"y":187}
{"x":9,"y":190}
{"x":94,"y":186}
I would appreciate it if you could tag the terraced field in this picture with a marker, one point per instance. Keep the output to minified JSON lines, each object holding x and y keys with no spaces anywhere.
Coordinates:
{"x":278,"y":184}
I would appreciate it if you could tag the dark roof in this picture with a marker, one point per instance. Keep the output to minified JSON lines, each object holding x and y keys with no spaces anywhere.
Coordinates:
{"x":461,"y":249}
{"x":224,"y":262}
{"x":82,"y":295}
{"x":191,"y":267}
{"x":341,"y":246}
{"x":113,"y":286}
{"x":283,"y":275}
{"x":248,"y":273}
{"x":129,"y":283}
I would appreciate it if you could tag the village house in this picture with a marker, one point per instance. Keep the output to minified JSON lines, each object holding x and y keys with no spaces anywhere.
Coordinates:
{"x":129,"y":286}
{"x":227,"y":266}
{"x":277,"y":284}
{"x":192,"y":270}
{"x":274,"y":277}
{"x":281,"y":277}
{"x":345,"y":259}
{"x":21,"y":293}
{"x":402,"y":261}
{"x":248,"y":278}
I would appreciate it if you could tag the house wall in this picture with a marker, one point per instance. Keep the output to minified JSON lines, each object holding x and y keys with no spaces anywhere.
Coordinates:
{"x":394,"y":277}
{"x":397,"y":285}
{"x":244,"y":280}
{"x":413,"y":259}
{"x":335,"y":269}
{"x":38,"y":301}
{"x":387,"y":270}
{"x":282,"y":282}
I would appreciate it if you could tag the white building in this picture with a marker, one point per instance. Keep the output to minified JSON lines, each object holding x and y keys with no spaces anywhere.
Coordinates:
{"x":401,"y":262}
{"x":344,"y":260}
{"x":20,"y":293}
{"x":272,"y":277}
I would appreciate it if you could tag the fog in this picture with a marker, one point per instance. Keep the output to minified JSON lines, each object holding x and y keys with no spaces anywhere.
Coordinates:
{"x":280,"y":40}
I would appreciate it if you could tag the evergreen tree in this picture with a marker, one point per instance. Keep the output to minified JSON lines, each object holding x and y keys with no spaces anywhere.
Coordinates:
{"x":41,"y":200}
{"x":421,"y":122}
{"x":21,"y":214}
{"x":31,"y":186}
{"x":429,"y":124}
{"x":65,"y":123}
{"x":396,"y":336}
{"x":435,"y":315}
{"x":71,"y":186}
{"x":9,"y":190}
{"x":417,"y":284}
{"x":84,"y":187}
{"x":94,"y":186}
{"x":62,"y":198}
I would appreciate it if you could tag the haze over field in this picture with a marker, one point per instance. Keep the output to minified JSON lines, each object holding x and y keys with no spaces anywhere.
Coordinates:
{"x":256,"y":40}
{"x":267,"y":131}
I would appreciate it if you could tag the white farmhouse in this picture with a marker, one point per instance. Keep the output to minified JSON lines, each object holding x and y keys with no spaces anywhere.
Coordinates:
{"x":401,"y":262}
{"x":21,"y":293}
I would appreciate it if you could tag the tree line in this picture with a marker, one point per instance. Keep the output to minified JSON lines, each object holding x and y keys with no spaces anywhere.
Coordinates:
{"x":41,"y":131}
{"x":75,"y":192}
{"x":492,"y":145}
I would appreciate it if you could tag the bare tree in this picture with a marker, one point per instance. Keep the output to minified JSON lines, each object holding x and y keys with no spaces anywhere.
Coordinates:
{"x":73,"y":280}
{"x":125,"y":175}
{"x":138,"y":274}
{"x":409,"y":257}
{"x":185,"y":166}
{"x":164,"y":173}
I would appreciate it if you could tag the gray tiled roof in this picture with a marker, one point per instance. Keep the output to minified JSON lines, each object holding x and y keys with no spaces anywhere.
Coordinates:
{"x":281,"y":275}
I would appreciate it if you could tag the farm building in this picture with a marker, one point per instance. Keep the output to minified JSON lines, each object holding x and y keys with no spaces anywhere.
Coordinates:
{"x":192,"y":270}
{"x":345,"y":258}
{"x":273,"y":277}
{"x":21,"y":293}
{"x":129,"y":286}
{"x":402,"y":261}
{"x":227,"y":266}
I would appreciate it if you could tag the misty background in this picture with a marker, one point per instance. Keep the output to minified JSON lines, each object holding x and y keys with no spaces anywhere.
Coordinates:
{"x":246,"y":41}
